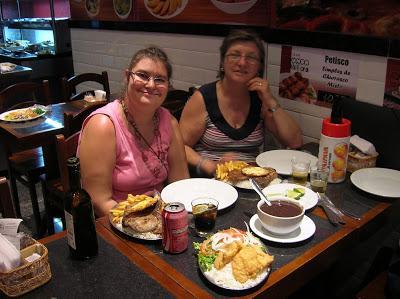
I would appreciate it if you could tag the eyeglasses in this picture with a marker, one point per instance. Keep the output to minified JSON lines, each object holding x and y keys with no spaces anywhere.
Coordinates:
{"x":145,"y":78}
{"x":250,"y":59}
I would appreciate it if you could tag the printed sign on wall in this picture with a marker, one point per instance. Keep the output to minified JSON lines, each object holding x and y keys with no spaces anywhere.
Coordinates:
{"x":316,"y":76}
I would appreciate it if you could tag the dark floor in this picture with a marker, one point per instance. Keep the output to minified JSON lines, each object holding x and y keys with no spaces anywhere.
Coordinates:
{"x":343,"y":279}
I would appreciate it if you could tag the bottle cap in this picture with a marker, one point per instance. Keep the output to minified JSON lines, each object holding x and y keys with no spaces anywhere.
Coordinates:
{"x":336,"y":130}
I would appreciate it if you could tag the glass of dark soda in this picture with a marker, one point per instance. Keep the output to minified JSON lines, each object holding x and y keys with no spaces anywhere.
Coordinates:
{"x":204,"y":210}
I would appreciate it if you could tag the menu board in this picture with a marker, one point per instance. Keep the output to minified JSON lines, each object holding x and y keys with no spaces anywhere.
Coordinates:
{"x":249,"y":12}
{"x":357,"y":17}
{"x":317,"y":76}
{"x":392,"y":86}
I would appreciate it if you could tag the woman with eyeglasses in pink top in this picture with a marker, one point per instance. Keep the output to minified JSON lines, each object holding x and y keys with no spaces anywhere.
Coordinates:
{"x":133,"y":145}
{"x":227,"y":119}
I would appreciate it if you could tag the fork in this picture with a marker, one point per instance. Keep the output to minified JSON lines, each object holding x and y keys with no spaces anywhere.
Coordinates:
{"x":333,"y":216}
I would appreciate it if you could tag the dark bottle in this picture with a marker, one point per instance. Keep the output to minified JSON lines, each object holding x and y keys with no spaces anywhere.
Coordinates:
{"x":337,"y":111}
{"x":79,"y":216}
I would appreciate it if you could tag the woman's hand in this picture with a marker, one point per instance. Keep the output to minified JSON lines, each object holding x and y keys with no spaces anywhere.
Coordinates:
{"x":261,"y":86}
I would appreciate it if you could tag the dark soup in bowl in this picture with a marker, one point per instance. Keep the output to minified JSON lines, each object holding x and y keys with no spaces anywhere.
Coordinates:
{"x":280,"y":208}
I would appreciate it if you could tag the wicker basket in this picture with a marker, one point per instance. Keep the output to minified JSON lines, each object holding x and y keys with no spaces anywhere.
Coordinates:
{"x":357,"y":160}
{"x":29,"y":275}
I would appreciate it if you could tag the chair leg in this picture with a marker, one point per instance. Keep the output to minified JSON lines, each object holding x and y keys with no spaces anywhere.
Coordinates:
{"x":35,"y":204}
{"x":14,"y":191}
{"x":47,"y":208}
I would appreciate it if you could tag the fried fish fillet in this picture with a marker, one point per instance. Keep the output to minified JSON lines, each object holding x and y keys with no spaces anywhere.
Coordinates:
{"x":249,"y":262}
{"x":226,"y":254}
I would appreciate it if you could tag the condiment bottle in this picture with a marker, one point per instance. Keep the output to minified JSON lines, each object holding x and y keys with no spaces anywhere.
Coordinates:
{"x":334,"y":144}
{"x":79,"y":216}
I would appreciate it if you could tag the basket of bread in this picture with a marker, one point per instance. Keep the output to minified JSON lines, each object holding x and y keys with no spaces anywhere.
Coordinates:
{"x":362,"y":154}
{"x":237,"y":173}
{"x":28,"y":268}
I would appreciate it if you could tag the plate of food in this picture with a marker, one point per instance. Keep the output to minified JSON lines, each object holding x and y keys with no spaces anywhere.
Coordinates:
{"x":296,"y":87}
{"x":165,"y":9}
{"x":185,"y":191}
{"x":92,"y":7}
{"x":234,"y":259}
{"x":122,"y":8}
{"x":24,"y":114}
{"x":281,"y":160}
{"x":139,"y":216}
{"x":304,"y":195}
{"x":237,"y":174}
{"x":234,"y":6}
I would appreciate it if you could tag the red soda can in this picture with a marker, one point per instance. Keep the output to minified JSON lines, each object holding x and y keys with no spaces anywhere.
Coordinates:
{"x":175,"y":228}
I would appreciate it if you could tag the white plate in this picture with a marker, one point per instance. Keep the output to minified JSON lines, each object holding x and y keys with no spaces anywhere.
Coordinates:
{"x":281,"y":160}
{"x":234,"y":8}
{"x":185,"y":191}
{"x":379,"y":181}
{"x":129,"y":232}
{"x":4,"y":114}
{"x":308,"y":200}
{"x":176,"y":12}
{"x":128,"y":7}
{"x":305,"y":231}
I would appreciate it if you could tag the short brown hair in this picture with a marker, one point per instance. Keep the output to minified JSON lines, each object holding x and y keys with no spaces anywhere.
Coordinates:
{"x":241,"y":35}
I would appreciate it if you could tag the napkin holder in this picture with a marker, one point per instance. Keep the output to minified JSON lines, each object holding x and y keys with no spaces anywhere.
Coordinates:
{"x":29,"y":275}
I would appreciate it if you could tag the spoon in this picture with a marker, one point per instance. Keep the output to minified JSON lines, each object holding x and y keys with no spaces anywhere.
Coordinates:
{"x":258,"y":190}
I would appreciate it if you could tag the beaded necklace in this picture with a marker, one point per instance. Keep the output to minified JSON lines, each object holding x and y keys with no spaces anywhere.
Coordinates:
{"x":144,"y":145}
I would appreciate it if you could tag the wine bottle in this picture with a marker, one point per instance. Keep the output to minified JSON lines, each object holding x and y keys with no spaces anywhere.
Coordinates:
{"x":79,"y":216}
{"x":337,"y":111}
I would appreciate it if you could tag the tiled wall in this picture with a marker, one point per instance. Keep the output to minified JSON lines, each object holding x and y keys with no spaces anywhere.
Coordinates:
{"x":195,"y":61}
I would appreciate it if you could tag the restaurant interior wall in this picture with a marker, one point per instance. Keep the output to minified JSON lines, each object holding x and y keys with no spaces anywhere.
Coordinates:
{"x":195,"y":61}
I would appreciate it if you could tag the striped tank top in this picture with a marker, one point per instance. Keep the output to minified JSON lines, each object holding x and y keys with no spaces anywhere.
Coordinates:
{"x":220,"y":138}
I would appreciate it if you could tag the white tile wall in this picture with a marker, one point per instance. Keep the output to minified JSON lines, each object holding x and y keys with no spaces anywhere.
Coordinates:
{"x":195,"y":61}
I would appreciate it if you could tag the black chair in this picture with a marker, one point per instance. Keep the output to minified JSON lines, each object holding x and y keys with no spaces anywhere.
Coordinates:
{"x":378,"y":125}
{"x":6,"y":205}
{"x":68,"y":86}
{"x":54,"y":191}
{"x":25,"y":166}
{"x":175,"y":101}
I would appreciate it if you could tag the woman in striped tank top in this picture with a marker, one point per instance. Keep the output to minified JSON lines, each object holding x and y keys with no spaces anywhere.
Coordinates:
{"x":227,"y":119}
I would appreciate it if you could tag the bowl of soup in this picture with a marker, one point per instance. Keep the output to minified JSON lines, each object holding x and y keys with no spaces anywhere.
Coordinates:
{"x":282,"y":217}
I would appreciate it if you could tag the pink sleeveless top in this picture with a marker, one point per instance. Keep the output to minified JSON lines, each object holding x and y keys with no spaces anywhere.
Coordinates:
{"x":131,"y":174}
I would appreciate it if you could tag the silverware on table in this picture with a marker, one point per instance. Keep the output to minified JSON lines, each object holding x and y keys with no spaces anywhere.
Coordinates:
{"x":257,"y":188}
{"x":341,"y":212}
{"x":333,"y":215}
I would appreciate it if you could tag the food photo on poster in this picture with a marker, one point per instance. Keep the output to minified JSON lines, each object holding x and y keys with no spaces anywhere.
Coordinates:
{"x":311,"y":75}
{"x":392,"y":86}
{"x":357,"y":17}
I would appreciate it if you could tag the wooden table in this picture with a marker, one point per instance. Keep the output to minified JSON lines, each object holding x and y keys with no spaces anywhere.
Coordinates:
{"x":294,"y":265}
{"x":40,"y":132}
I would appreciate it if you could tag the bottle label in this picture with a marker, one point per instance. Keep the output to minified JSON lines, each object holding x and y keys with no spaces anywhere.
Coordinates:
{"x":69,"y":221}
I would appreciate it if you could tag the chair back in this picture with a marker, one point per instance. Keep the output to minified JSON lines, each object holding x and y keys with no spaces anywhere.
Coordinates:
{"x":66,"y":148}
{"x":73,"y":121}
{"x":24,"y":94}
{"x":6,"y":204}
{"x":69,"y":85}
{"x":175,"y":101}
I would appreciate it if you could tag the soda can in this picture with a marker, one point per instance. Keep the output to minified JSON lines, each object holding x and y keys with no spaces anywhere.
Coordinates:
{"x":175,"y":228}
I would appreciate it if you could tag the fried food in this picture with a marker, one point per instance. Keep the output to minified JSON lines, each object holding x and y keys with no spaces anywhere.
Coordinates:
{"x":223,"y":169}
{"x":254,"y":171}
{"x":249,"y":262}
{"x":137,"y":206}
{"x":164,"y":7}
{"x":226,"y":254}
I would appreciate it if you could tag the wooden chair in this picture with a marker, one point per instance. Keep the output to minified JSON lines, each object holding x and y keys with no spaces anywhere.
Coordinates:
{"x":175,"y":101}
{"x":6,"y":205}
{"x":68,"y":86}
{"x":54,"y":191}
{"x":25,"y":166}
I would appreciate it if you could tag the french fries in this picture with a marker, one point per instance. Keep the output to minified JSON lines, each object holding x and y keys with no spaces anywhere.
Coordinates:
{"x":222,"y":171}
{"x":132,"y":200}
{"x":164,"y":7}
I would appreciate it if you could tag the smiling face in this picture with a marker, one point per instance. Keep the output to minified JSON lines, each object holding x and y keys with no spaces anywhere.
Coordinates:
{"x":147,"y":84}
{"x":242,"y":61}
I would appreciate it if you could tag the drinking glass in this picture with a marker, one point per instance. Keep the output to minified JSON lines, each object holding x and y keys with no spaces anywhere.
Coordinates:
{"x":300,"y":169}
{"x":204,"y":210}
{"x":319,"y":178}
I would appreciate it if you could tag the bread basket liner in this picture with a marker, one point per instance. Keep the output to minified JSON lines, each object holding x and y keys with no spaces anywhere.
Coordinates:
{"x":29,"y":275}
